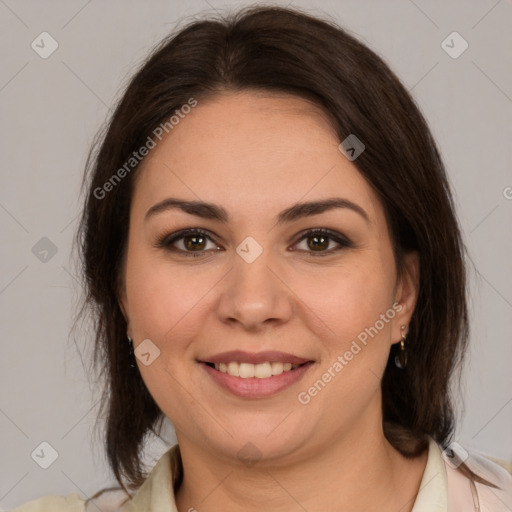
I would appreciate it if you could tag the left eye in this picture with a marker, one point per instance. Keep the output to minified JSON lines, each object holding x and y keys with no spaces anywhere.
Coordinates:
{"x":319,"y":242}
{"x":194,"y":242}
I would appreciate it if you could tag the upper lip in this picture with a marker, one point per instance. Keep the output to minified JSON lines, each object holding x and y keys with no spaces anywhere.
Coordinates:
{"x":257,"y":357}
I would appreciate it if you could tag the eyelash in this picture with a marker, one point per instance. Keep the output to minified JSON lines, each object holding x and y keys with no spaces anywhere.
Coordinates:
{"x":166,"y":241}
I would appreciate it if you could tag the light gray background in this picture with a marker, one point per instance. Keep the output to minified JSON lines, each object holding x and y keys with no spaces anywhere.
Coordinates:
{"x":51,"y":109}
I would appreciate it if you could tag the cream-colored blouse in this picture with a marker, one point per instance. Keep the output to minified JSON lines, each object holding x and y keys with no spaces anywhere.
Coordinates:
{"x":443,"y":488}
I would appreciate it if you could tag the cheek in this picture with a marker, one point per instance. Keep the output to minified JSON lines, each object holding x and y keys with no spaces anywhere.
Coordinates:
{"x":350,"y":299}
{"x":165,"y":299}
{"x":356,"y":312}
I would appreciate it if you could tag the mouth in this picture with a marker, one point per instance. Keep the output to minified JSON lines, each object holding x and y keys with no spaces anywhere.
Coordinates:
{"x":261,"y":380}
{"x":259,"y":371}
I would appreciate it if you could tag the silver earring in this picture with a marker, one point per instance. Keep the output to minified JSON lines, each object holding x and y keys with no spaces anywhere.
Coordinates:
{"x":401,"y":357}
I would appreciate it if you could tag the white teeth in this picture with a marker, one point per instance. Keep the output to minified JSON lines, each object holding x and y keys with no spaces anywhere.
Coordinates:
{"x":247,"y":370}
{"x":260,"y":371}
{"x":232,"y":369}
{"x":277,"y":368}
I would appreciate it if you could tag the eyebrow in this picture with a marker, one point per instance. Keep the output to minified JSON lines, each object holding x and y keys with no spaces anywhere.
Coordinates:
{"x":215,"y":212}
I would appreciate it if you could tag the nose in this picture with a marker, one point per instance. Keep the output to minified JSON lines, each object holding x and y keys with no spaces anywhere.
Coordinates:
{"x":255,"y":295}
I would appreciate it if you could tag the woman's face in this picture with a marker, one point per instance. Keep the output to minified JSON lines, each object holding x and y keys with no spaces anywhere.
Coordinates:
{"x":254,"y":280}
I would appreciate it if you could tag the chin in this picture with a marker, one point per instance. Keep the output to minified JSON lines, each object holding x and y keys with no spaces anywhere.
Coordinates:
{"x":260,"y":442}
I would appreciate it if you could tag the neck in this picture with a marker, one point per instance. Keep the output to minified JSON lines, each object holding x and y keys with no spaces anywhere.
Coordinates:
{"x":353,"y":472}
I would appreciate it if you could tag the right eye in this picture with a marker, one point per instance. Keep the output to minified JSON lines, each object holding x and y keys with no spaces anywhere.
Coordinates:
{"x":193,"y":242}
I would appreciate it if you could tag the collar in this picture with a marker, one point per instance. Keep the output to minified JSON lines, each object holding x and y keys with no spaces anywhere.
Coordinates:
{"x":433,"y":493}
{"x":156,"y":493}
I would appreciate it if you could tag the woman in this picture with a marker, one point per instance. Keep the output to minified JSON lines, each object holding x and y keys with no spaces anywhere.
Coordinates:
{"x":274,"y":264}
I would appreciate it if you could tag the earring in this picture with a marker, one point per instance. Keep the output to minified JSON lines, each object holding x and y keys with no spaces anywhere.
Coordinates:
{"x":132,"y":354}
{"x":401,"y":357}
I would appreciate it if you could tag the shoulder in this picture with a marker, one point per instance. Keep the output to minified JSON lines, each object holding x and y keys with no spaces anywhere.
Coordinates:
{"x":496,"y":497}
{"x":109,"y":500}
{"x":54,"y":503}
{"x":492,"y":498}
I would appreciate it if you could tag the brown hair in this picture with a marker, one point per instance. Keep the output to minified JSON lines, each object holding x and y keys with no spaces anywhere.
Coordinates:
{"x":272,"y":49}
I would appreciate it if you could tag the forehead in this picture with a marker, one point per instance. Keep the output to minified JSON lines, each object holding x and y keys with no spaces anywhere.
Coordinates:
{"x":251,"y":150}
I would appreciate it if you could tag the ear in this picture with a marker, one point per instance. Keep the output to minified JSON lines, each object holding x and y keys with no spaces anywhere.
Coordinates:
{"x":406,"y":294}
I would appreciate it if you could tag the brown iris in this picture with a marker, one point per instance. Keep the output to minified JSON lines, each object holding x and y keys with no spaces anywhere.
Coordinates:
{"x":194,"y":242}
{"x":319,"y":242}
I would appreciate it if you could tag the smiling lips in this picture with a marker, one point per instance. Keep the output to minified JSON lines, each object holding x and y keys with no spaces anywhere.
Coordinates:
{"x":254,"y":358}
{"x":260,"y":371}
{"x":260,"y":365}
{"x":255,"y":375}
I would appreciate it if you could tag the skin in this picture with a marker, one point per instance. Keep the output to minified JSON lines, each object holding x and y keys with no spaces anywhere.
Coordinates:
{"x":255,"y":155}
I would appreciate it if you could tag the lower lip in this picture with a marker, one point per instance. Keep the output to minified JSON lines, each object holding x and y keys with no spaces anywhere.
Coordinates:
{"x":254,"y":387}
